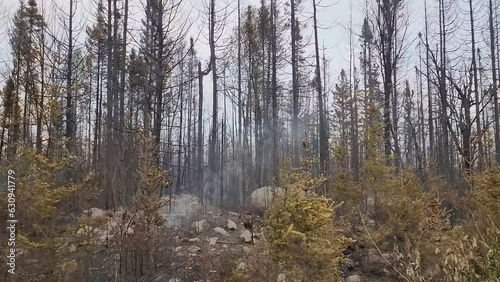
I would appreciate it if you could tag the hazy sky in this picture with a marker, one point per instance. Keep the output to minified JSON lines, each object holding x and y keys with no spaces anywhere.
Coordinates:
{"x":333,"y":16}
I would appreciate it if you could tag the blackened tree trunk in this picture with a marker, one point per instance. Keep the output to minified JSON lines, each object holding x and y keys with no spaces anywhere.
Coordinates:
{"x":295,"y":88}
{"x":323,"y":131}
{"x":70,"y":120}
{"x":494,"y":92}
{"x":429,"y":91}
{"x":213,"y":156}
{"x":476,"y":90}
{"x":274,"y":90}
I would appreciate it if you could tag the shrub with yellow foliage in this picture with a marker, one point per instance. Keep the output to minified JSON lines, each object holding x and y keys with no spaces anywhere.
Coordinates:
{"x":414,"y":224}
{"x":485,"y":218}
{"x":43,"y":203}
{"x":303,"y":234}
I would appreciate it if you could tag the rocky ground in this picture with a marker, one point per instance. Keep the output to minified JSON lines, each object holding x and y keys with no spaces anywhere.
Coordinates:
{"x":209,"y":248}
{"x":208,"y":244}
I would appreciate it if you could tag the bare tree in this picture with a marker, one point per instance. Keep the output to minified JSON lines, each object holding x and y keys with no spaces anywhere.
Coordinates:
{"x":323,"y":131}
{"x":494,"y":89}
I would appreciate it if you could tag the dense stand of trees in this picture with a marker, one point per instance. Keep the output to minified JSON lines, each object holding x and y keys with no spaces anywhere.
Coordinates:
{"x":91,"y":90}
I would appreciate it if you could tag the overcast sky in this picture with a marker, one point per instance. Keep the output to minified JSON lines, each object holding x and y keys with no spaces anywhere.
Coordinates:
{"x":333,"y":17}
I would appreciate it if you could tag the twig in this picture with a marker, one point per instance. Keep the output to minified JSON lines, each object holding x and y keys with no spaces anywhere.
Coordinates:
{"x":375,"y":245}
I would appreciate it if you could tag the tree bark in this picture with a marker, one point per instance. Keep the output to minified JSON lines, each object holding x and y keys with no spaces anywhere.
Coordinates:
{"x":494,"y":89}
{"x":323,"y":131}
{"x":295,"y":88}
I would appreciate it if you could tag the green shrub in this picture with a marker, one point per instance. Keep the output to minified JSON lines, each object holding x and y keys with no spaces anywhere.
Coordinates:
{"x":301,"y":228}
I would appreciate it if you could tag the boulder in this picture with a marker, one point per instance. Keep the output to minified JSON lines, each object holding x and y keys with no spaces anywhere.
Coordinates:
{"x":263,"y":197}
{"x":221,"y":231}
{"x":247,"y":236}
{"x":231,"y":225}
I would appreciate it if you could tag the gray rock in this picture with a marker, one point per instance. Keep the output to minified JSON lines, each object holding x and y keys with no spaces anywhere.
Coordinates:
{"x":231,"y":225}
{"x":281,"y":278}
{"x":221,"y":231}
{"x":246,"y":235}
{"x":194,"y":240}
{"x":354,"y":278}
{"x":212,"y":241}
{"x":263,"y":197}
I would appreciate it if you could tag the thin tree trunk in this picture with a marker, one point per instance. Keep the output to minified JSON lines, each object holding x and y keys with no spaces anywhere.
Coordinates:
{"x":446,"y":169}
{"x":476,"y":91}
{"x":429,"y":93}
{"x":70,"y":122}
{"x":494,"y":86}
{"x":109,"y":114}
{"x":159,"y":80}
{"x":40,"y":105}
{"x":274,"y":89}
{"x":180,"y":145}
{"x":323,"y":132}
{"x":213,"y":156}
{"x":123,"y":68}
{"x":240,"y":113}
{"x":200,"y":133}
{"x":295,"y":88}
